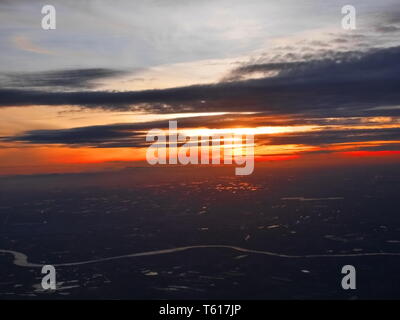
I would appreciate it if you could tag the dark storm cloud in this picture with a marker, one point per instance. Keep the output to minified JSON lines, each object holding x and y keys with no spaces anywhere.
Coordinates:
{"x":342,"y":84}
{"x":102,"y":136}
{"x":120,"y":135}
{"x":391,"y":147}
{"x":132,"y":135}
{"x":61,"y":79}
{"x":334,"y":67}
{"x":327,"y":137}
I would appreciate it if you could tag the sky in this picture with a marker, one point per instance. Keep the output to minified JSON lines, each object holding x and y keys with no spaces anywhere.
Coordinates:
{"x":82,"y":97}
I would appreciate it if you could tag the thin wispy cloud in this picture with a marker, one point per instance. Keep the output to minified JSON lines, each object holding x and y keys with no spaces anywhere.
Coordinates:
{"x":23,"y":43}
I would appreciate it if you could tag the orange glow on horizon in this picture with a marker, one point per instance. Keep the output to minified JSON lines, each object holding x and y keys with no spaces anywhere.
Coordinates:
{"x":364,"y":153}
{"x":22,"y":157}
{"x":277,"y":158}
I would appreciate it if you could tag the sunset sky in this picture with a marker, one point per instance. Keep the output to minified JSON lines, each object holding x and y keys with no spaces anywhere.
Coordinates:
{"x":83,"y":96}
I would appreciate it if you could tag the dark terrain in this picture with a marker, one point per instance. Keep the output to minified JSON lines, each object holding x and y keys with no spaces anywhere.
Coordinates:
{"x":56,"y":219}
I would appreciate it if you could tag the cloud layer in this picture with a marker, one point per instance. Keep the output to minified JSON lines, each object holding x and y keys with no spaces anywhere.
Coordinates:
{"x":59,"y":79}
{"x":341,"y":84}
